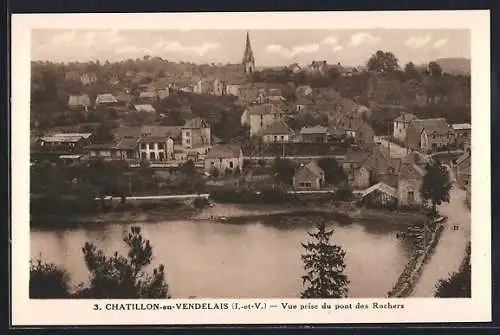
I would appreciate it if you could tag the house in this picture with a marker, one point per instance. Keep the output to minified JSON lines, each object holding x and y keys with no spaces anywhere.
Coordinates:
{"x":124,"y":99}
{"x":303,"y":103}
{"x":434,"y":135}
{"x":224,"y":156}
{"x":147,"y":108}
{"x":428,"y":135}
{"x":409,"y":184}
{"x":148,"y":96}
{"x":316,"y":134}
{"x":277,"y":131}
{"x":79,"y":102}
{"x":233,"y":88}
{"x":400,"y":125}
{"x":354,"y":127}
{"x":303,"y":91}
{"x":317,"y":67}
{"x":163,"y":94}
{"x":365,"y":168}
{"x":196,"y":132}
{"x":106,"y":99}
{"x":156,"y":148}
{"x":463,"y":169}
{"x":462,"y":135}
{"x":64,"y":142}
{"x":309,"y":176}
{"x":258,"y":117}
{"x":219,"y":87}
{"x":88,"y":78}
{"x":203,"y":86}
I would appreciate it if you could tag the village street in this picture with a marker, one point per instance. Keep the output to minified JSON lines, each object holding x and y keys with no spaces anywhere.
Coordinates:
{"x":395,"y":150}
{"x":450,"y":250}
{"x":451,"y":247}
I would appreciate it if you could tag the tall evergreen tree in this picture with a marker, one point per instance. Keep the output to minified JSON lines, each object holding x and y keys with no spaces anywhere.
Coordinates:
{"x":324,"y":264}
{"x":436,"y":184}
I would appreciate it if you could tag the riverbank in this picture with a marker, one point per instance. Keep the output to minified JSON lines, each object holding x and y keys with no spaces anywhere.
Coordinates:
{"x":413,"y":270}
{"x":342,"y":212}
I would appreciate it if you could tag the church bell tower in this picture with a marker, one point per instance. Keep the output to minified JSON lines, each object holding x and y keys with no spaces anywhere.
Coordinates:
{"x":248,"y":59}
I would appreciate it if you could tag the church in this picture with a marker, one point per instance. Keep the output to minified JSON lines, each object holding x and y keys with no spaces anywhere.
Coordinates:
{"x":248,"y":58}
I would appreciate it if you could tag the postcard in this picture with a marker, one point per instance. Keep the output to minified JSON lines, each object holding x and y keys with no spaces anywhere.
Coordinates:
{"x":250,"y":168}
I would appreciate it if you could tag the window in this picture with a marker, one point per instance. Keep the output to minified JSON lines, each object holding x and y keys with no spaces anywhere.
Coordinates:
{"x":143,"y":155}
{"x":282,"y":137}
{"x":151,"y":155}
{"x":220,"y":159}
{"x":188,"y":141}
{"x":411,"y":197}
{"x":188,"y":133}
{"x":161,"y":146}
{"x":231,"y":165}
{"x":143,"y":146}
{"x":162,"y":156}
{"x":212,"y":163}
{"x":275,"y":138}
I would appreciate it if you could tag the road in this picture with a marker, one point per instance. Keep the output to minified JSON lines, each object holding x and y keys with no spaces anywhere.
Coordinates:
{"x":451,"y":247}
{"x":396,"y":151}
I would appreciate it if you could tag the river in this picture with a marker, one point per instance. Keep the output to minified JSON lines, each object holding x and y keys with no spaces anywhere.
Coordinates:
{"x":252,"y":259}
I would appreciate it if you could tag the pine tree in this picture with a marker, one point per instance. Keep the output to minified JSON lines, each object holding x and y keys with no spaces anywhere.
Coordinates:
{"x":325,"y":267}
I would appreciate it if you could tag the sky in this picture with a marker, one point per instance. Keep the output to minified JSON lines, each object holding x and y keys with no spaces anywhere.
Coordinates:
{"x":270,"y":47}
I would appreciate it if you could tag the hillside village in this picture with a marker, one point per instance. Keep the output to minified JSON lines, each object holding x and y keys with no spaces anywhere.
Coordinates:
{"x":317,"y":128}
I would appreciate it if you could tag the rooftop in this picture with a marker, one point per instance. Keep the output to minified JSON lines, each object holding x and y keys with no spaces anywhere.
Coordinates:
{"x":313,"y":130}
{"x":105,"y":98}
{"x":276,"y":128}
{"x":144,"y":108}
{"x":224,"y":151}
{"x":406,"y":117}
{"x":431,"y":126}
{"x":461,"y":126}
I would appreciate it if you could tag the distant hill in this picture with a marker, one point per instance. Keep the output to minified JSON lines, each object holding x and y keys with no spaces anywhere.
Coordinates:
{"x":455,"y":65}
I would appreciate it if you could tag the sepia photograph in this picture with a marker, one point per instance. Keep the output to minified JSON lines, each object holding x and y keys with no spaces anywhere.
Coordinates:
{"x":250,"y":163}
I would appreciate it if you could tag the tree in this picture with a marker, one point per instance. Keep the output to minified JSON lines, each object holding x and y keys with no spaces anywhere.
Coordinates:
{"x":435,"y":69}
{"x":122,"y":277}
{"x":188,"y":168}
{"x":411,"y":71}
{"x":103,"y":134}
{"x":324,"y":264}
{"x":284,"y":170}
{"x":458,"y":285}
{"x":436,"y":184}
{"x":333,"y":171}
{"x":383,"y":62}
{"x":48,"y":281}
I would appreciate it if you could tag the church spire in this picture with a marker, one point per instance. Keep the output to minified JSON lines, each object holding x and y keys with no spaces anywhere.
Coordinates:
{"x":248,"y":59}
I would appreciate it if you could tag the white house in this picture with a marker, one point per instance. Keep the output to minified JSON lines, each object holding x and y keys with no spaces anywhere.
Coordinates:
{"x":401,"y":124}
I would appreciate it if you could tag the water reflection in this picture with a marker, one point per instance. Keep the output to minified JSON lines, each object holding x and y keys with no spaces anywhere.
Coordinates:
{"x":256,"y":257}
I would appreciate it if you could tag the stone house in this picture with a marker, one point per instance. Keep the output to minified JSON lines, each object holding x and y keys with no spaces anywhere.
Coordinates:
{"x":429,"y":135}
{"x":258,"y":117}
{"x":195,"y":133}
{"x":316,"y":134}
{"x":365,"y":168}
{"x":277,"y":131}
{"x":462,"y":135}
{"x":224,"y":156}
{"x":400,"y":125}
{"x":125,"y":149}
{"x":309,"y":176}
{"x":463,"y":169}
{"x":409,"y":184}
{"x":79,"y":102}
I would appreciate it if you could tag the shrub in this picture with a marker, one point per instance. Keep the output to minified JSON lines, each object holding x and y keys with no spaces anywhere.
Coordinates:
{"x":200,"y":202}
{"x":344,"y":194}
{"x":48,"y":281}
